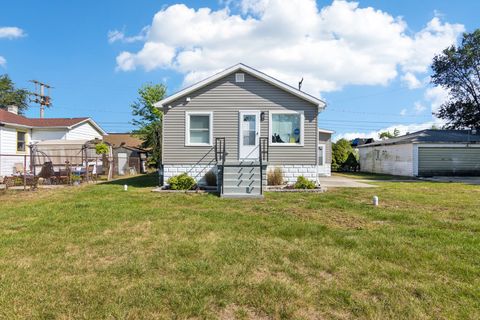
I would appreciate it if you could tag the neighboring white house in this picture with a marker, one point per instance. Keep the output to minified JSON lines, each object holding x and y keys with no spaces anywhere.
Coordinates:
{"x":424,"y":153}
{"x":17,"y":132}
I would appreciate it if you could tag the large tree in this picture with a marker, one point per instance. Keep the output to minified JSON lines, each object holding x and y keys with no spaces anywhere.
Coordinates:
{"x":9,"y":95}
{"x":148,"y":119}
{"x":457,"y":69}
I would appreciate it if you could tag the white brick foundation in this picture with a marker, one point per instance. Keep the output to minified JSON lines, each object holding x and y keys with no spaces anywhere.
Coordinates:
{"x":292,"y":171}
{"x":196,"y":171}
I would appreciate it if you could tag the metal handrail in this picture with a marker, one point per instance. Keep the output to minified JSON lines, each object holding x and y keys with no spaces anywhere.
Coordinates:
{"x":264,"y":149}
{"x":220,"y":157}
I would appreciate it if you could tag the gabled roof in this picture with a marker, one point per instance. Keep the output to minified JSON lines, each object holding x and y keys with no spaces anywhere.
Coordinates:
{"x":10,"y":118}
{"x":123,"y":139}
{"x":430,"y":136}
{"x":242,"y":67}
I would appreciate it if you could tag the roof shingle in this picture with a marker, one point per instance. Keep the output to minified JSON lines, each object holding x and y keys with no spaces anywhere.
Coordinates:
{"x":11,"y":118}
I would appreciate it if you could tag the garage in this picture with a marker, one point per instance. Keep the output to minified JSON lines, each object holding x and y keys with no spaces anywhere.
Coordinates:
{"x":424,"y":153}
{"x":448,"y":161}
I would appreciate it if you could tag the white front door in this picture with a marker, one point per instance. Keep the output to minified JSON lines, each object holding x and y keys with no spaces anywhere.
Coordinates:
{"x":249,"y":134}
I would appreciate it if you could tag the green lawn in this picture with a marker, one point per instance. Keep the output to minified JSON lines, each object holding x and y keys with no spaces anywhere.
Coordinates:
{"x":98,"y":252}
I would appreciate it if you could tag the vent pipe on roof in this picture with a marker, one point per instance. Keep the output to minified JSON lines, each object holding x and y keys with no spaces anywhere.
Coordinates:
{"x":12,"y":109}
{"x":300,"y":85}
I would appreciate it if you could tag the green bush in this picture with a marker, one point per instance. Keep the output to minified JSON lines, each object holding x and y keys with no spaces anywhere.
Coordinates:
{"x":304,"y":183}
{"x":181,"y":182}
{"x":101,"y":148}
{"x":275,"y":177}
{"x":211,"y":178}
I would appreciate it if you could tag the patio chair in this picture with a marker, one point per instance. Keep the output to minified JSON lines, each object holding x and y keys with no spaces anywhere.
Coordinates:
{"x":18,"y":168}
{"x":92,"y":171}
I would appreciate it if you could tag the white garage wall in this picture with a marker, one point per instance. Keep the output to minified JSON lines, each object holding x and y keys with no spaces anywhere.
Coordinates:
{"x":392,"y":159}
{"x":83,"y":131}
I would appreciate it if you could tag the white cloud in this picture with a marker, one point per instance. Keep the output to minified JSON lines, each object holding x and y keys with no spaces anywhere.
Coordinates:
{"x":411,"y":81}
{"x":116,"y":35}
{"x":3,"y":61}
{"x":403,"y":112}
{"x":330,"y":47}
{"x":436,"y":96}
{"x":152,"y":55}
{"x":419,"y":107}
{"x":11,"y":32}
{"x":404,"y":129}
{"x":430,"y":41}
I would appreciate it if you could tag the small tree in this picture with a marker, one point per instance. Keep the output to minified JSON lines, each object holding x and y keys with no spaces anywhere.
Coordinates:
{"x":457,"y":69}
{"x":149,"y":119}
{"x":340,"y":152}
{"x":9,"y":95}
{"x":388,"y":135}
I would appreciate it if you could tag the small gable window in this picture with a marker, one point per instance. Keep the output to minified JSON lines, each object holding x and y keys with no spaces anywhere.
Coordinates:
{"x":198,"y":129}
{"x":239,"y":77}
{"x":21,"y":140}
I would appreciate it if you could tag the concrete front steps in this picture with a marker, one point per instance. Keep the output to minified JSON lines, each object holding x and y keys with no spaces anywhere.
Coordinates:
{"x":242,"y":179}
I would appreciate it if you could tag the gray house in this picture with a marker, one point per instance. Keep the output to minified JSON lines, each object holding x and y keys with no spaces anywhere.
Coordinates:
{"x":239,"y":124}
{"x":424,"y":153}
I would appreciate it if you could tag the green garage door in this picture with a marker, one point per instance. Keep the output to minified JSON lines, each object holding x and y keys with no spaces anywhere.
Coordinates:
{"x":448,"y":161}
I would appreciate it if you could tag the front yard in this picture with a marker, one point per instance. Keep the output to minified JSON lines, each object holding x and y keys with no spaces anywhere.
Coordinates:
{"x":99,"y":252}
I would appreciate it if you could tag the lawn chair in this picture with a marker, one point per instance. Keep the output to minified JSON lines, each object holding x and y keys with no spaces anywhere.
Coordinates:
{"x":18,"y":168}
{"x":92,"y":171}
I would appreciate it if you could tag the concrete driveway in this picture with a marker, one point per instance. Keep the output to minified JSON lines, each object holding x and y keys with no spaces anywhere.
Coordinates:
{"x":343,"y":182}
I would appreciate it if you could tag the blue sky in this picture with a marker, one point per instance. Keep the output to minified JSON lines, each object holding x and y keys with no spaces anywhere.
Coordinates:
{"x":96,"y":55}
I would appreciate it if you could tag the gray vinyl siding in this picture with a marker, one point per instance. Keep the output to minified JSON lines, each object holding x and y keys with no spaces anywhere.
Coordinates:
{"x":225,"y":99}
{"x":327,"y":139}
{"x":448,"y":161}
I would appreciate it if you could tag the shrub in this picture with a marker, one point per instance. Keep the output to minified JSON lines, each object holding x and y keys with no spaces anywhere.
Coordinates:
{"x":275,"y":177}
{"x":181,"y":182}
{"x":211,"y":178}
{"x":304,"y":183}
{"x":101,"y":148}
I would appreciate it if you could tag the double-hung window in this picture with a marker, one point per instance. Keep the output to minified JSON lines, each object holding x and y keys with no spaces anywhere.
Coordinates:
{"x":21,"y":140}
{"x":198,"y":128}
{"x":286,"y":128}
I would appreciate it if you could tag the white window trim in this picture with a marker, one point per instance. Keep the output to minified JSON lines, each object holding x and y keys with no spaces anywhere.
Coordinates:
{"x":324,"y":146}
{"x":187,"y":128}
{"x":302,"y":133}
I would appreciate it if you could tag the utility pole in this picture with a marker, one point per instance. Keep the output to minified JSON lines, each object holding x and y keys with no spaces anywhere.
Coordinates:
{"x":40,"y":97}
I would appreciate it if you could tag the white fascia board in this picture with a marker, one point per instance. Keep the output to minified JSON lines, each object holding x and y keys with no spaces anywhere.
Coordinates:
{"x":93,"y":123}
{"x":326,"y":131}
{"x":16,"y":125}
{"x":241,"y":67}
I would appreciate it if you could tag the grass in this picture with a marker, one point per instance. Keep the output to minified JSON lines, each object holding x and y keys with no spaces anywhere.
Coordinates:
{"x":99,"y":252}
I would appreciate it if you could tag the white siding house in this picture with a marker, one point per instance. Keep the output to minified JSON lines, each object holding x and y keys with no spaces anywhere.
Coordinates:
{"x":17,"y":132}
